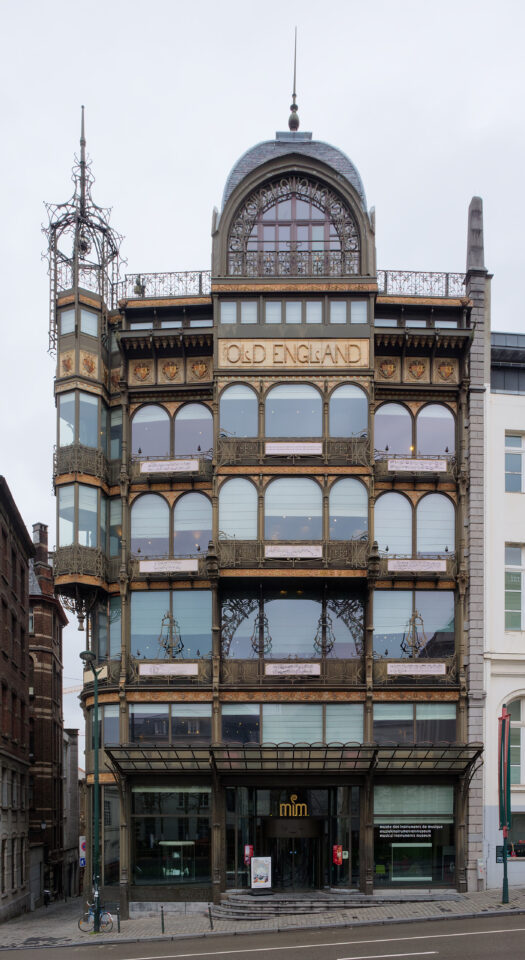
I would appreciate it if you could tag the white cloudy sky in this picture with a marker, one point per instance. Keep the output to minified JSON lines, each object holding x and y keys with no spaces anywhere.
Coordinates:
{"x":426,"y":99}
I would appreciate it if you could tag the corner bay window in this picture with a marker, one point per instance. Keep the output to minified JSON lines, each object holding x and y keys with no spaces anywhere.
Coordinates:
{"x":191,"y":611}
{"x":81,"y":516}
{"x":286,"y":623}
{"x":415,"y":624}
{"x":171,"y":834}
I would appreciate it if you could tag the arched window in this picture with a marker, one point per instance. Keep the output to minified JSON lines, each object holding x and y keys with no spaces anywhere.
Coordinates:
{"x":150,"y":526}
{"x":348,"y":412}
{"x":435,"y":525}
{"x":516,"y":709}
{"x":239,"y":411}
{"x":150,"y":432}
{"x":348,"y":510}
{"x":193,"y":430}
{"x":238,"y":510}
{"x":191,"y":524}
{"x":293,"y":510}
{"x":435,"y":430}
{"x":393,"y":524}
{"x":393,"y":429}
{"x":294,"y":410}
{"x":293,"y":227}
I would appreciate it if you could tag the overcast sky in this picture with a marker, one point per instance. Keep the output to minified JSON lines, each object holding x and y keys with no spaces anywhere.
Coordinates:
{"x":426,"y":99}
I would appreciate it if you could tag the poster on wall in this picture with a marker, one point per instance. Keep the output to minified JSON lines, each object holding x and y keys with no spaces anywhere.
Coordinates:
{"x":337,"y":854}
{"x":248,"y":854}
{"x":261,"y":873}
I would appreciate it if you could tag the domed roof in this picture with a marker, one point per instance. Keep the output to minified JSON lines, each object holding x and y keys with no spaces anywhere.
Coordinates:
{"x":293,"y":143}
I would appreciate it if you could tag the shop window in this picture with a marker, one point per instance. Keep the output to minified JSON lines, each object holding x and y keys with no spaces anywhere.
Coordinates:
{"x":435,"y":521}
{"x":294,"y":410}
{"x":193,"y":430}
{"x":293,"y":510}
{"x":348,"y":510}
{"x":435,"y":431}
{"x":393,"y":524}
{"x":238,"y":510}
{"x":115,"y":433}
{"x":150,"y":432}
{"x":414,"y":834}
{"x":149,"y":722}
{"x":344,"y":723}
{"x":348,"y":412}
{"x":191,"y":722}
{"x":514,"y":473}
{"x":240,"y":722}
{"x":239,"y":415}
{"x":150,"y":521}
{"x":514,"y":572}
{"x":111,"y":835}
{"x":191,"y":524}
{"x":171,"y":836}
{"x":415,"y":624}
{"x":190,"y":613}
{"x":414,"y":723}
{"x":393,"y":430}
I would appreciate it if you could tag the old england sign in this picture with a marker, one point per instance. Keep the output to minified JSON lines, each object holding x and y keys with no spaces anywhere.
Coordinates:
{"x":281,"y":354}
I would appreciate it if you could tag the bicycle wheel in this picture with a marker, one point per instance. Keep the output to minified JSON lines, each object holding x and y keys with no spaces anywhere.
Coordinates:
{"x":86,"y":923}
{"x":106,"y":922}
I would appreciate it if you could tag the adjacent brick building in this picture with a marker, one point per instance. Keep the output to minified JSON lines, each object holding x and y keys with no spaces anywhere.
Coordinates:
{"x":16,"y":549}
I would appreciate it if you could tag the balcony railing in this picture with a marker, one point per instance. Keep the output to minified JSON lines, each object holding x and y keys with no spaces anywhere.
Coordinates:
{"x":293,"y":263}
{"x":160,"y":469}
{"x":76,"y":458}
{"x":419,"y":283}
{"x":352,"y":451}
{"x":441,"y":467}
{"x":341,"y":554}
{"x":144,"y":286}
{"x":75,"y":560}
{"x":332,"y":672}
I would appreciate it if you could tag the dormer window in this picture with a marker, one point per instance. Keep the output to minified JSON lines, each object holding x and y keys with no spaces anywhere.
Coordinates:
{"x":293,"y":227}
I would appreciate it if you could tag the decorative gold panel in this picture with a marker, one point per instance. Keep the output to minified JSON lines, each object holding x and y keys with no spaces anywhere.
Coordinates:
{"x":198,"y":368}
{"x":445,"y":370}
{"x":67,"y":363}
{"x":293,"y":354}
{"x":141,"y":371}
{"x":416,"y":370}
{"x":88,"y":364}
{"x":170,"y":371}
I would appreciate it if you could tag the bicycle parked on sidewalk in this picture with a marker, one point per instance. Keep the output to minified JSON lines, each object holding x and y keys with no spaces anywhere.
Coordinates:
{"x":87,"y":921}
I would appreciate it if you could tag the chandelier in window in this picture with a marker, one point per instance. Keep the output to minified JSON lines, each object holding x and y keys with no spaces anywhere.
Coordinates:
{"x":260,"y":639}
{"x":324,"y":639}
{"x":170,"y":640}
{"x":414,"y":639}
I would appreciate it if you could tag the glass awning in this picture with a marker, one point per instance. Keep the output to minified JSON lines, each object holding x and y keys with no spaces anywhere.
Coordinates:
{"x":317,"y":758}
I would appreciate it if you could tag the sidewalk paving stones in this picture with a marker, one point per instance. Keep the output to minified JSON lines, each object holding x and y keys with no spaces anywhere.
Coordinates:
{"x":57,"y":925}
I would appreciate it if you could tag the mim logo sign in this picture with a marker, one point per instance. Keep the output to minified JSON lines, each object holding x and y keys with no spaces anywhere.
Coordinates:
{"x":293,"y":809}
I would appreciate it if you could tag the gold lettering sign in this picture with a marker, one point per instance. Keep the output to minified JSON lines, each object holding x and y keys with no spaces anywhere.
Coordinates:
{"x":293,"y":809}
{"x":293,"y":353}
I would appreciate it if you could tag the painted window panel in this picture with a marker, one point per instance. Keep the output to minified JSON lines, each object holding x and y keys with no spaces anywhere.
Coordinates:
{"x":150,"y":432}
{"x":294,"y":410}
{"x":150,"y":519}
{"x":193,"y":430}
{"x":348,"y":510}
{"x":436,"y":521}
{"x":239,"y":411}
{"x":238,"y":510}
{"x":348,"y":412}
{"x":293,"y":510}
{"x":191,"y":525}
{"x":393,"y":524}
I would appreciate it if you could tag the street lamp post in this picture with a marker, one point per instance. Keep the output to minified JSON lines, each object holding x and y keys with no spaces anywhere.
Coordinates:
{"x":89,"y":660}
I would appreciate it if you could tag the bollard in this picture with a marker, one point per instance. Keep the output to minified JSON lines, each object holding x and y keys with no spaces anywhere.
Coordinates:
{"x":162,"y":918}
{"x":210,"y":916}
{"x":118,"y":919}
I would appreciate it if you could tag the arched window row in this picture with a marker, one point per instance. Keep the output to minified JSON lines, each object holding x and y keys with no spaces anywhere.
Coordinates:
{"x":432,"y":432}
{"x":293,"y":510}
{"x":155,"y":434}
{"x":294,"y":410}
{"x":423,"y":531}
{"x":158,"y":531}
{"x":293,"y":227}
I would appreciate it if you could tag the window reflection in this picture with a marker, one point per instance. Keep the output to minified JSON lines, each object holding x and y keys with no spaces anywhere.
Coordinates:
{"x":191,"y":524}
{"x":193,"y":430}
{"x":150,"y":526}
{"x":150,"y":432}
{"x":393,"y":429}
{"x":348,"y":510}
{"x":435,"y":430}
{"x":293,"y":510}
{"x":413,"y":624}
{"x":435,"y":525}
{"x":239,"y":411}
{"x":294,"y":410}
{"x":348,"y":412}
{"x":393,"y":524}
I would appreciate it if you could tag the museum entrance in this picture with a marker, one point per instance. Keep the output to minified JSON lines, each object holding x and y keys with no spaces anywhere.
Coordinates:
{"x":294,"y":848}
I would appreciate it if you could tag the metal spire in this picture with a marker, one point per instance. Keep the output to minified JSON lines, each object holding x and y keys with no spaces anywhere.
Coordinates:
{"x":293,"y":119}
{"x":82,"y":163}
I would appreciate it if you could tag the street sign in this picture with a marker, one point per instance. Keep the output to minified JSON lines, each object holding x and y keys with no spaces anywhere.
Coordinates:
{"x":82,"y":862}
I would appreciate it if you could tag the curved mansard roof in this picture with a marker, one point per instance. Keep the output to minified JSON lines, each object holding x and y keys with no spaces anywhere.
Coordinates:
{"x":301,"y":144}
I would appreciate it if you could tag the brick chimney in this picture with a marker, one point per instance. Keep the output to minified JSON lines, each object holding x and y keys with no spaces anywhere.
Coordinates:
{"x":40,"y":542}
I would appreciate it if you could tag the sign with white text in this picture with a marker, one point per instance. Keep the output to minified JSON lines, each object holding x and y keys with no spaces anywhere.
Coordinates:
{"x":187,"y":565}
{"x":416,"y":669}
{"x":169,"y":466}
{"x":168,"y":669}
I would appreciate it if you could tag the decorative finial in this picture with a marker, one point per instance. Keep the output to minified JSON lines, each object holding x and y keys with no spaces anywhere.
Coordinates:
{"x":82,"y":162}
{"x":293,"y":119}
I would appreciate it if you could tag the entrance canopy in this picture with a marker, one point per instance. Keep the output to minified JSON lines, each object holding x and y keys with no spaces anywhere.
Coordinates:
{"x":315,"y":758}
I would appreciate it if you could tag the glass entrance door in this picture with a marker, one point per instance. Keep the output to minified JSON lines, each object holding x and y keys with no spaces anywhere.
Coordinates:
{"x":295,"y":863}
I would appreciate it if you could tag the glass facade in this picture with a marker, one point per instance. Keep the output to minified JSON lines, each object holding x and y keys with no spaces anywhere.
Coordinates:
{"x":171,"y":835}
{"x":414,"y":839}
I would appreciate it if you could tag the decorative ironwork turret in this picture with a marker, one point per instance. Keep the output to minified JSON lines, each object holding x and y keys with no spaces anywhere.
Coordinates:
{"x":83,"y":250}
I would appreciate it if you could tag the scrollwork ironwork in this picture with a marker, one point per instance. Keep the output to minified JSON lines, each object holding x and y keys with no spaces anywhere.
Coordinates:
{"x":234,"y":611}
{"x":419,"y":283}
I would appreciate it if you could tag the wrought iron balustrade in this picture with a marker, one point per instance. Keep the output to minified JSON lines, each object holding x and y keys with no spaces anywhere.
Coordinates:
{"x":160,"y":469}
{"x":181,"y":283}
{"x":440,"y":466}
{"x":77,"y":458}
{"x":420,"y":283}
{"x":332,"y":671}
{"x":293,"y":263}
{"x":350,"y":451}
{"x":342,"y":554}
{"x":76,"y":560}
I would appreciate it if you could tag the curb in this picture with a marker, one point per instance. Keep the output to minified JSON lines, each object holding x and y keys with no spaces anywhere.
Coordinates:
{"x":166,"y":938}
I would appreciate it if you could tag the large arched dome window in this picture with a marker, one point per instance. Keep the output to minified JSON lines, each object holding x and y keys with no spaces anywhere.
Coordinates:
{"x":293,"y":227}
